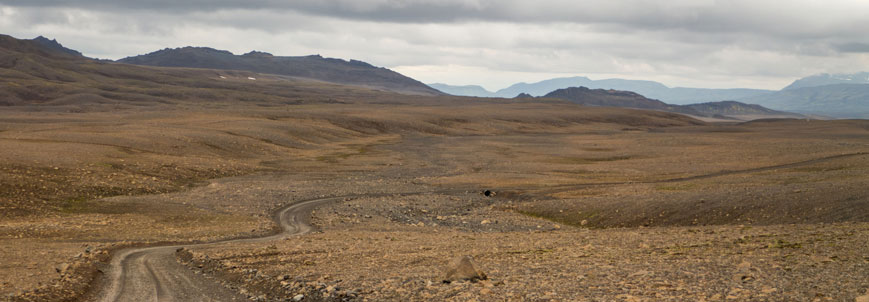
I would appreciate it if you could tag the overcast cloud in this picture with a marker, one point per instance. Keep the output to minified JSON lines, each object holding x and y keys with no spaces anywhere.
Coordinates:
{"x":695,"y":43}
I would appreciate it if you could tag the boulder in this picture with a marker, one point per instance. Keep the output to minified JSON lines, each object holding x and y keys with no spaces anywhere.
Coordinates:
{"x":464,"y":269}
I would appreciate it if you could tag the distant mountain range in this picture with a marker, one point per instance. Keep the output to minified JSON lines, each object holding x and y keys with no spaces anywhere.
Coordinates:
{"x":841,"y":95}
{"x":829,"y":79}
{"x":649,"y":89}
{"x":837,"y":100}
{"x":467,"y":90}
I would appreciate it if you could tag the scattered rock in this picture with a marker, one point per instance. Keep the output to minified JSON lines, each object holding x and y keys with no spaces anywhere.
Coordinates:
{"x":298,"y":297}
{"x":769,"y":290}
{"x":184,"y":254}
{"x":62,"y":268}
{"x":464,"y":268}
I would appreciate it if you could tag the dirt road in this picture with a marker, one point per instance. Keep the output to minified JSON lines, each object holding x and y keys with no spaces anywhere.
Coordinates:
{"x":153,"y":274}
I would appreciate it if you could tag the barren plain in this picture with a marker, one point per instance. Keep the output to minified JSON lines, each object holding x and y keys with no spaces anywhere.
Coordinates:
{"x":589,"y":203}
{"x":594,"y":204}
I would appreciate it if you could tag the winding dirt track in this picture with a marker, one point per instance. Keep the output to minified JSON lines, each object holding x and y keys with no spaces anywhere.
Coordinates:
{"x":153,"y":274}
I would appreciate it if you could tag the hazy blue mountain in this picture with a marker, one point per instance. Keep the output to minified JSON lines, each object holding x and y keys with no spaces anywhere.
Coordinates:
{"x":338,"y":71}
{"x":467,"y":90}
{"x":547,"y":86}
{"x":543,"y":87}
{"x":841,"y":96}
{"x":830,"y":79}
{"x":650,"y":89}
{"x":838,"y":100}
{"x":683,"y":95}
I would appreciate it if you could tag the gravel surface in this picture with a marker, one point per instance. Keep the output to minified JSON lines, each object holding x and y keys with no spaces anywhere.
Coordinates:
{"x":395,"y":248}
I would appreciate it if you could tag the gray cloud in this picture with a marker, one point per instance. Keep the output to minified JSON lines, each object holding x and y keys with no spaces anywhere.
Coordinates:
{"x":853,"y":47}
{"x":686,"y":42}
{"x":796,"y":17}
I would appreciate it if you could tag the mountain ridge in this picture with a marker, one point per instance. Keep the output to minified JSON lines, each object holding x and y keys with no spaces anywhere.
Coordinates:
{"x":616,"y":98}
{"x":837,"y":100}
{"x":737,"y":109}
{"x":40,"y":45}
{"x":829,"y":95}
{"x":825,"y":79}
{"x":339,"y":71}
{"x":465,"y":90}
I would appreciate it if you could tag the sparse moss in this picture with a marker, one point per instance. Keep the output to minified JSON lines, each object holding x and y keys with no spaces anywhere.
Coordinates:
{"x":74,"y":205}
{"x":567,"y":218}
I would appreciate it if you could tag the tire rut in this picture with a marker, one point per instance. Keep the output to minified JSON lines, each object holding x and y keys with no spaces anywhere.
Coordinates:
{"x":131,"y":275}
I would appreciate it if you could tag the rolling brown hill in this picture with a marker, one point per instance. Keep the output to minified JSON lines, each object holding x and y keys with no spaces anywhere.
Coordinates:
{"x":338,"y":71}
{"x":727,"y":110}
{"x":615,"y":98}
{"x":48,"y":77}
{"x":736,"y":109}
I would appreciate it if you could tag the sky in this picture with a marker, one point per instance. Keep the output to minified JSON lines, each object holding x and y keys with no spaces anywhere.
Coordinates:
{"x":681,"y":43}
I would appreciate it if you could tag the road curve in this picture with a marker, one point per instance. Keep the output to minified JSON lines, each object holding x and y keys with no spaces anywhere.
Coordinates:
{"x":153,"y":274}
